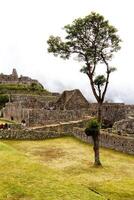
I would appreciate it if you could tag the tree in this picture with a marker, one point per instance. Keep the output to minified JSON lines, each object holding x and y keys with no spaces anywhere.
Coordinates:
{"x":93,"y":40}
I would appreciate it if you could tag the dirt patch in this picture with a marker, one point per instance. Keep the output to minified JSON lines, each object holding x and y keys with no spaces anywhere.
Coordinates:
{"x":49,"y":154}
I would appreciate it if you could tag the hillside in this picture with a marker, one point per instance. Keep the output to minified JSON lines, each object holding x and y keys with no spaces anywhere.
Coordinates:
{"x":13,"y":83}
{"x":33,"y":88}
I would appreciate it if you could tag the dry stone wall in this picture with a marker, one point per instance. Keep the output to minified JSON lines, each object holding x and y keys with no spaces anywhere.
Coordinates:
{"x":42,"y":117}
{"x":108,"y":140}
{"x":30,"y":134}
{"x":44,"y":132}
{"x":35,"y":117}
{"x":111,"y":112}
{"x":34,"y":101}
{"x":40,"y":110}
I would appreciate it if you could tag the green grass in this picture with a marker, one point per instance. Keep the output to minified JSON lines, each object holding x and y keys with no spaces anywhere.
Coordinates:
{"x":62,"y":169}
{"x":3,"y":121}
{"x":22,"y":88}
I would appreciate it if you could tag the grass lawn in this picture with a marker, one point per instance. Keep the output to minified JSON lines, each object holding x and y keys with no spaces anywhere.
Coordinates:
{"x":62,"y":169}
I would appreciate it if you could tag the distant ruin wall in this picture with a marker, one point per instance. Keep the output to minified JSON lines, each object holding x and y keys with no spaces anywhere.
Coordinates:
{"x":14,"y":79}
{"x":44,"y":115}
{"x":71,"y":100}
{"x":111,"y":112}
{"x":35,"y":117}
{"x":13,"y":111}
{"x":35,"y":102}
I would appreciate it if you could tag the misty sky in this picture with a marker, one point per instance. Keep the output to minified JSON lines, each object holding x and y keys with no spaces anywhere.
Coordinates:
{"x":25,"y":26}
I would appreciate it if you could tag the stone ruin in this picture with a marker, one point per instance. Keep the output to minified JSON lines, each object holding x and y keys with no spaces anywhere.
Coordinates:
{"x":70,"y":105}
{"x":56,"y":115}
{"x":15,"y":79}
{"x":71,"y":100}
{"x":40,"y":110}
{"x":53,"y":115}
{"x":125,"y":126}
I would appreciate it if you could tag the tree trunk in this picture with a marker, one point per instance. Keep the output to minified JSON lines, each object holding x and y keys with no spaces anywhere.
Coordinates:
{"x":100,"y":112}
{"x":96,"y":138}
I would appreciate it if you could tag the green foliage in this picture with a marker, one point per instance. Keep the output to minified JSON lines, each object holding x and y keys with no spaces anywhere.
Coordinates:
{"x":93,"y":40}
{"x":22,"y":88}
{"x":35,"y":87}
{"x":92,"y":127}
{"x":89,"y":37}
{"x":3,"y":100}
{"x":100,"y":80}
{"x":58,"y":47}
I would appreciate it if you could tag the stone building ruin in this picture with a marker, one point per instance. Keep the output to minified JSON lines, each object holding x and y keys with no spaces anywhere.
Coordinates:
{"x":15,"y":79}
{"x":71,"y":100}
{"x":41,"y":110}
{"x":49,"y":109}
{"x":52,"y":115}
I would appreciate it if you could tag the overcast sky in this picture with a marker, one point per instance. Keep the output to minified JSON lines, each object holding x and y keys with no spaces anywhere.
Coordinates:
{"x":25,"y":26}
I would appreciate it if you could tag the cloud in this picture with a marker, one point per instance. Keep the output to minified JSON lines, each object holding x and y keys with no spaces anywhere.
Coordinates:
{"x":26,"y":26}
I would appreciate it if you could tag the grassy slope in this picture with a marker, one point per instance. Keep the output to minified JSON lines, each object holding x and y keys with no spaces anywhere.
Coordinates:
{"x":62,"y":169}
{"x":22,"y":89}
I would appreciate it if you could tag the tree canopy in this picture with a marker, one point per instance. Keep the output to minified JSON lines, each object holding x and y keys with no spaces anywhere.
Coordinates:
{"x":94,"y":41}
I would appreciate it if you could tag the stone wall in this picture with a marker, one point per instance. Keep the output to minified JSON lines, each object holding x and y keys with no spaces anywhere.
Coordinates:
{"x":111,"y":112}
{"x":30,"y":135}
{"x":108,"y":140}
{"x":34,"y":101}
{"x":42,"y":117}
{"x":63,"y":126}
{"x":44,"y":132}
{"x":124,"y":127}
{"x":36,"y":117}
{"x":13,"y":111}
{"x":37,"y":111}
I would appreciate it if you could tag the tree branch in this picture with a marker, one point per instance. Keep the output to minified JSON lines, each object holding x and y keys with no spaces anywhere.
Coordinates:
{"x":107,"y":79}
{"x":92,"y":82}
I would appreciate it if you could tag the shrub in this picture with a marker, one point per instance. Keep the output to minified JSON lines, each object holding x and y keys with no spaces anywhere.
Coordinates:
{"x":3,"y":100}
{"x":92,"y":127}
{"x":36,"y":87}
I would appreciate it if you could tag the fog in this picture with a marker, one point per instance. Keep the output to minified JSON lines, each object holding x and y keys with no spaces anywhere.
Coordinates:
{"x":26,"y":26}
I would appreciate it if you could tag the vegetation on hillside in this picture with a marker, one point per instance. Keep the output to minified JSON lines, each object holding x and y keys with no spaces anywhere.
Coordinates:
{"x":22,"y":88}
{"x":3,"y":100}
{"x":60,"y":169}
